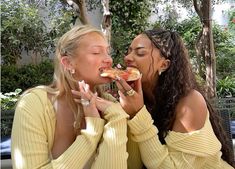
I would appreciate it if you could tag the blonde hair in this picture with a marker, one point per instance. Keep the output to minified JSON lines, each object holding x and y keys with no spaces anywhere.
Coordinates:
{"x":63,"y":81}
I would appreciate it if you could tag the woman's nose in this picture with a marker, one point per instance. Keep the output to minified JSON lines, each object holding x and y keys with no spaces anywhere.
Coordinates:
{"x":108,"y":60}
{"x":128,"y":59}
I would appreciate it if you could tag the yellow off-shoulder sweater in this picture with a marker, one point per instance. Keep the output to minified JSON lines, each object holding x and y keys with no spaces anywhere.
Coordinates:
{"x":33,"y":137}
{"x":195,"y":150}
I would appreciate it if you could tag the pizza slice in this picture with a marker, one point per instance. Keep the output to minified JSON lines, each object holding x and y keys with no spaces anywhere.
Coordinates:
{"x":130,"y":74}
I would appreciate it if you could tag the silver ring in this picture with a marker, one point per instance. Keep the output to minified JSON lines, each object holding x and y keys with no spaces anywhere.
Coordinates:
{"x":85,"y":102}
{"x":130,"y":92}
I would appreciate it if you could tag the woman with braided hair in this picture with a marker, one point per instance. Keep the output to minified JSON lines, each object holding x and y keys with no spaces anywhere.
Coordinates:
{"x":171,"y":123}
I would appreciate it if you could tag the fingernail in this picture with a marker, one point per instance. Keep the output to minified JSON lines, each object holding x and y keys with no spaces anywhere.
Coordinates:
{"x":86,"y":87}
{"x":118,"y":78}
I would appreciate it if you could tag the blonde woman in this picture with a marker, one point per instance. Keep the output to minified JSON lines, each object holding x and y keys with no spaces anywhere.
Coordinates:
{"x":50,"y":130}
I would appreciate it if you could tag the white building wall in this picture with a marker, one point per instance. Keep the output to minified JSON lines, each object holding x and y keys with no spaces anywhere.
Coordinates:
{"x":220,"y":13}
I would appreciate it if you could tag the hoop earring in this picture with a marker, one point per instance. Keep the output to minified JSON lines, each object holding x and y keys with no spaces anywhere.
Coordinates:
{"x":72,"y":71}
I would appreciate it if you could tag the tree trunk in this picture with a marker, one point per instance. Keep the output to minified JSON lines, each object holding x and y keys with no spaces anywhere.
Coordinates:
{"x":106,"y":21}
{"x":205,"y":45}
{"x":79,"y":7}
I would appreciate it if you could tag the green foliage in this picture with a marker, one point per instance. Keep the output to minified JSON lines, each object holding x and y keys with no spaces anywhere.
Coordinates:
{"x":8,"y":100}
{"x":60,"y":18}
{"x":129,"y":18}
{"x":226,"y":87}
{"x":26,"y":77}
{"x":22,"y":28}
{"x":226,"y":61}
{"x":231,"y":23}
{"x":188,"y":30}
{"x":31,"y":26}
{"x":25,"y":27}
{"x":225,"y":52}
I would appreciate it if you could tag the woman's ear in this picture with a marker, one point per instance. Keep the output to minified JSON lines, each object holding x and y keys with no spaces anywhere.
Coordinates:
{"x":65,"y":61}
{"x":165,"y":65}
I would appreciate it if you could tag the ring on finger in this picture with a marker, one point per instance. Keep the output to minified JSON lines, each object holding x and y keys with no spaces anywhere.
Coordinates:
{"x":85,"y":102}
{"x":130,"y":92}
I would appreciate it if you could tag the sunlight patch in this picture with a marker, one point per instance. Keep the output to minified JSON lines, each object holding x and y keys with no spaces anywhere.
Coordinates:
{"x":110,"y":133}
{"x":18,"y":159}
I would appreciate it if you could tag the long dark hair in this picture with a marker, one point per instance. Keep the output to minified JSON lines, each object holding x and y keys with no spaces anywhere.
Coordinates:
{"x":175,"y":83}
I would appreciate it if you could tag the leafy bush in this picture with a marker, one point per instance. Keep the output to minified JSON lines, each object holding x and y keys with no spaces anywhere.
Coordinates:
{"x":225,"y":52}
{"x":22,"y":28}
{"x":226,"y":87}
{"x":23,"y":77}
{"x":31,"y":27}
{"x":128,"y":20}
{"x":231,"y":24}
{"x":8,"y":102}
{"x":26,"y":76}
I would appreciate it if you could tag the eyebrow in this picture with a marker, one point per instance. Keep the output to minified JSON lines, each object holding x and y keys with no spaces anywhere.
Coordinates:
{"x":140,"y":47}
{"x":101,"y":46}
{"x":137,"y":48}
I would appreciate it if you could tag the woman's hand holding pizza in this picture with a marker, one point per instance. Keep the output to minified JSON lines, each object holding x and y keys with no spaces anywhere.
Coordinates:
{"x":131,"y":97}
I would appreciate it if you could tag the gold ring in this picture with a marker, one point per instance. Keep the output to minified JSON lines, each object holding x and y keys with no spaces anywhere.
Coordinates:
{"x":130,"y":92}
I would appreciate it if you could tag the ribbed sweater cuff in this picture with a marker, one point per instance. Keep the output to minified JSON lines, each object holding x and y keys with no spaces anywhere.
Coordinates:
{"x":115,"y":111}
{"x":141,"y":126}
{"x":94,"y":126}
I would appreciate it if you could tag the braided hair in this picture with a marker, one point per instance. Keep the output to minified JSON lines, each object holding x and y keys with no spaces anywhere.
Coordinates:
{"x":175,"y":83}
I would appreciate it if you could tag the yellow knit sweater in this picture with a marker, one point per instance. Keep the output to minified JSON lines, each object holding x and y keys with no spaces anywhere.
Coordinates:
{"x":195,"y":150}
{"x":33,"y":136}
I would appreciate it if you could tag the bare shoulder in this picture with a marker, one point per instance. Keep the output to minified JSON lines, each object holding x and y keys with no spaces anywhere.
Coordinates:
{"x":191,"y":112}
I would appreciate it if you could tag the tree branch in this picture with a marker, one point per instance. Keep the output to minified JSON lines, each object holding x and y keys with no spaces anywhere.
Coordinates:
{"x":79,"y":7}
{"x":197,"y":9}
{"x":106,"y":21}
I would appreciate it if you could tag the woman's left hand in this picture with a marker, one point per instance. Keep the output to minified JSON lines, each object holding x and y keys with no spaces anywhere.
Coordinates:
{"x":131,"y":97}
{"x":86,"y":99}
{"x":98,"y":103}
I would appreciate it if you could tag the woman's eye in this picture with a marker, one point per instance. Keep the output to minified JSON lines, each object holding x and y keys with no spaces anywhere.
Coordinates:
{"x":140,"y":54}
{"x":96,"y":53}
